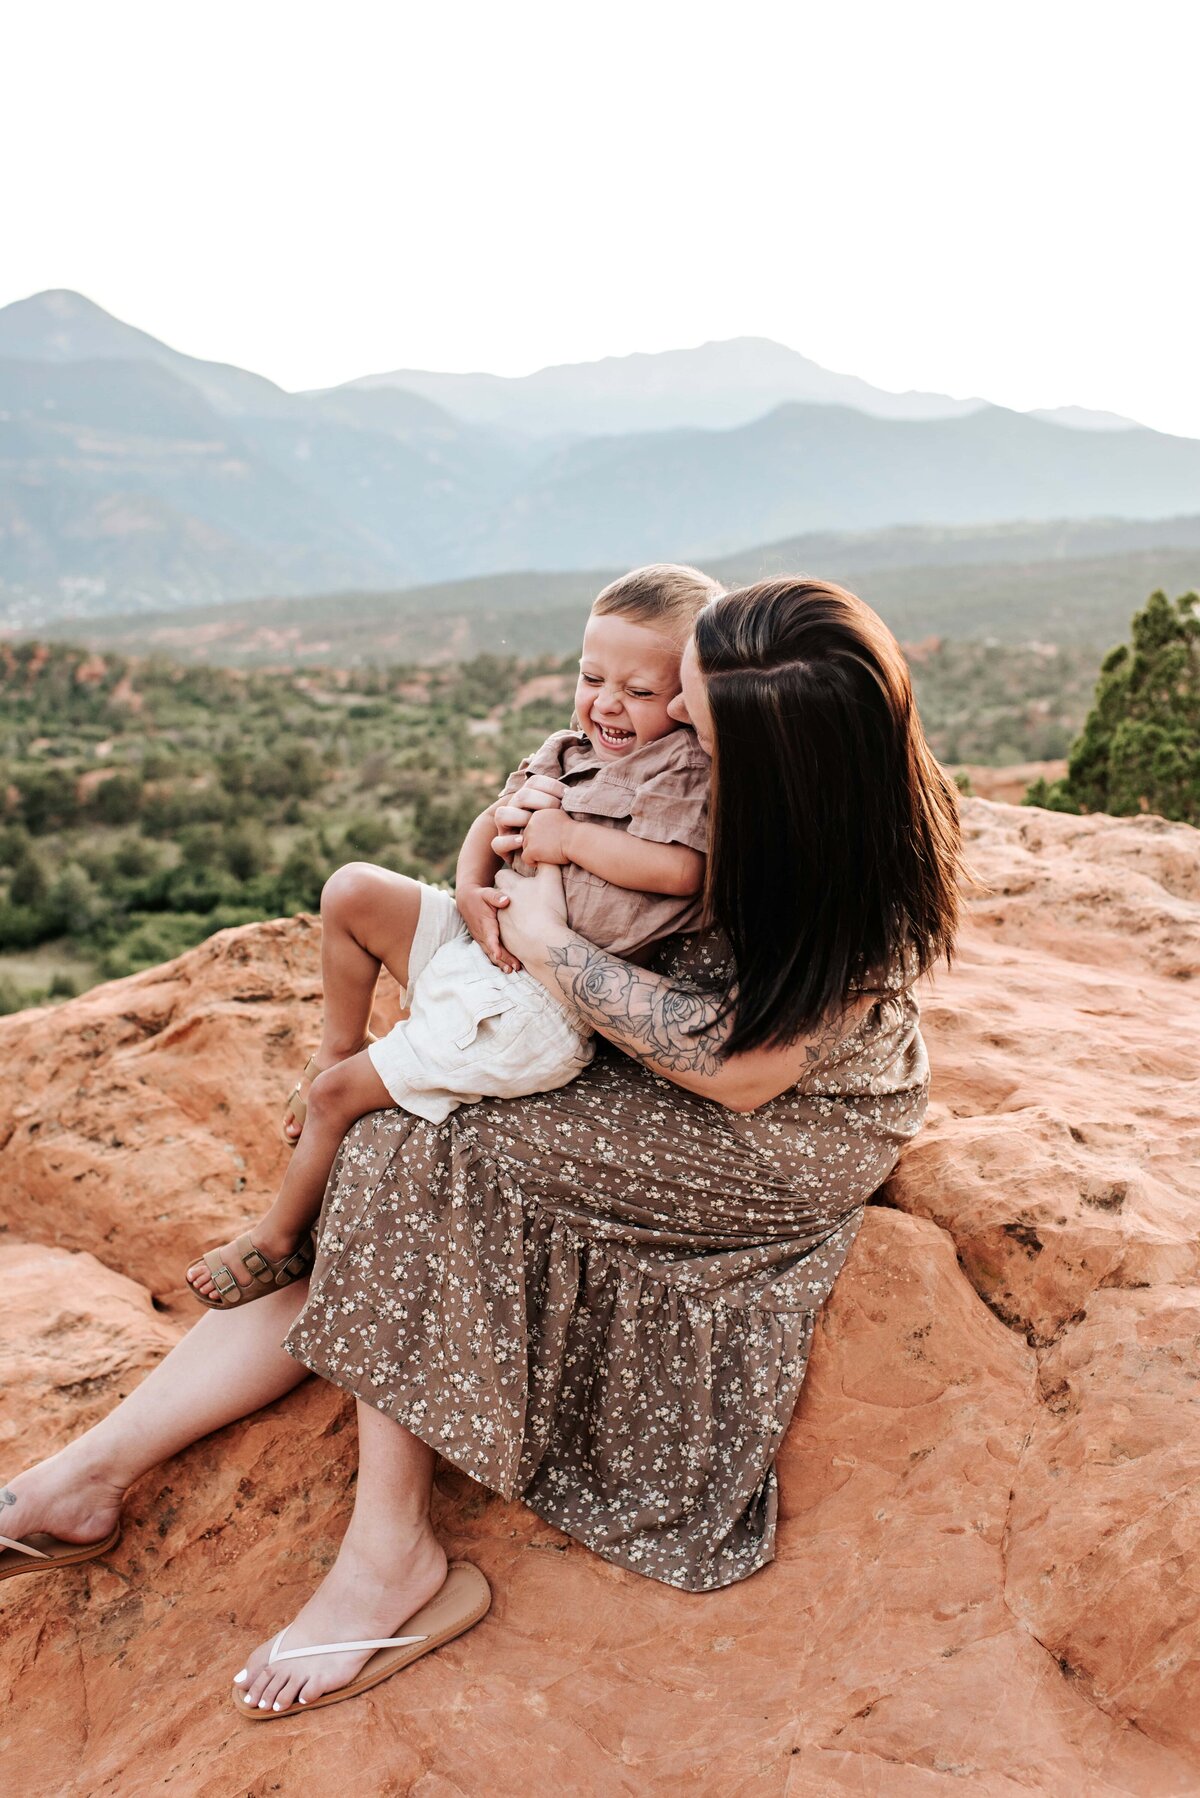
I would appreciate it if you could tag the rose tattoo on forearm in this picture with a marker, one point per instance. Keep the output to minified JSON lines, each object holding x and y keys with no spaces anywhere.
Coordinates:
{"x":643,"y":1014}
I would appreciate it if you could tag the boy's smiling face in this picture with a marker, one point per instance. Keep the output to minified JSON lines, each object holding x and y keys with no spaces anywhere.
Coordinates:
{"x":628,"y":675}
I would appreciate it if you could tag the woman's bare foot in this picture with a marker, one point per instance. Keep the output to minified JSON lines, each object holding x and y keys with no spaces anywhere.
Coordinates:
{"x":370,"y":1592}
{"x":271,"y":1242}
{"x":66,"y":1496}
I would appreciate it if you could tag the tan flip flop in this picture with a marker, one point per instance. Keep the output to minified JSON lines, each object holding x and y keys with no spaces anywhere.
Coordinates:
{"x":265,"y":1276}
{"x":42,"y":1553}
{"x":462,"y":1600}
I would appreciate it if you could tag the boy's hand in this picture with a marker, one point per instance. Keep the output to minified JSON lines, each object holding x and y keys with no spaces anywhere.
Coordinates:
{"x":546,"y":838}
{"x":540,"y":792}
{"x":477,"y":907}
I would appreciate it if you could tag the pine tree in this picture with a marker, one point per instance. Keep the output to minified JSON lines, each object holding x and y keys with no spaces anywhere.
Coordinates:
{"x":1139,"y":750}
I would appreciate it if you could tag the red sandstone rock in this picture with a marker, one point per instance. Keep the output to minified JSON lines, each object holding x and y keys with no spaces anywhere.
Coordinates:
{"x":990,"y":1512}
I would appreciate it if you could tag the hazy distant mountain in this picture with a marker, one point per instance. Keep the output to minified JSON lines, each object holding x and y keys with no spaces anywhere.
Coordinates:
{"x":1084,"y":418}
{"x":64,"y":327}
{"x":716,"y":385}
{"x":651,"y":494}
{"x":60,"y":326}
{"x":133,"y":476}
{"x":120,"y":485}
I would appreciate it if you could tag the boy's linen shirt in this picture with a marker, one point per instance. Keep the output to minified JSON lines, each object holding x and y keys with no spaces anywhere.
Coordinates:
{"x":659,"y":792}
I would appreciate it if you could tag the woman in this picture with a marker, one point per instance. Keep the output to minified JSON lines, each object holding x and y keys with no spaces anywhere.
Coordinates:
{"x":602,"y":1298}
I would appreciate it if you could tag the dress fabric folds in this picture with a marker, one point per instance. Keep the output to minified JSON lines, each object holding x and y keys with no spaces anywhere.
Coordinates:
{"x":601,"y":1299}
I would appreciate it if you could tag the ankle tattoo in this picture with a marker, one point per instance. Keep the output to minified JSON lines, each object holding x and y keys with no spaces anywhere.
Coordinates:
{"x":8,"y":1496}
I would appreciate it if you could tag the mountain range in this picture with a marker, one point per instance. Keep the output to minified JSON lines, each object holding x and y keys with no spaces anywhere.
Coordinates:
{"x":133,"y":476}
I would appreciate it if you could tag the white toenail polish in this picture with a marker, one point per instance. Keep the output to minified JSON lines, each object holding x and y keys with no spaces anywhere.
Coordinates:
{"x":262,"y":1704}
{"x":275,"y":1707}
{"x":239,"y":1677}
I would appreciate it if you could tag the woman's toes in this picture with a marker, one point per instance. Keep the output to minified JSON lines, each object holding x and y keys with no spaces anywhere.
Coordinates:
{"x":286,"y":1695}
{"x":257,"y":1684}
{"x":277,"y":1684}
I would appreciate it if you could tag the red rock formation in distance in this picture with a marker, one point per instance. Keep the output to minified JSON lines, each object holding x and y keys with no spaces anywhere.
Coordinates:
{"x":987,"y":1572}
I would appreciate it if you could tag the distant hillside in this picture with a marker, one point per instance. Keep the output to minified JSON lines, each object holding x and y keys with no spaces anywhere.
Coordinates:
{"x":1081,"y":601}
{"x":806,"y":468}
{"x":135,"y":478}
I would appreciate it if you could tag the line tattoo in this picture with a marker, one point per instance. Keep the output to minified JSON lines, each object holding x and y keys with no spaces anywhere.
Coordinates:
{"x":8,"y":1496}
{"x":642,"y":1013}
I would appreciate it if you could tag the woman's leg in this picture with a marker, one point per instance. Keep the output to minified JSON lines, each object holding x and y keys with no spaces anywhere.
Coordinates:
{"x":389,"y":1565}
{"x":224,"y":1368}
{"x":368,"y":916}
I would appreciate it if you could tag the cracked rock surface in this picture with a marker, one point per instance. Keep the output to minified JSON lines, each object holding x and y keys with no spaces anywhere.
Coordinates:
{"x":987,"y":1577}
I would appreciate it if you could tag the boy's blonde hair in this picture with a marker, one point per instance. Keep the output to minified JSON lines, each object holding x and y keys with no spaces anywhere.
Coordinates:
{"x":664,"y":596}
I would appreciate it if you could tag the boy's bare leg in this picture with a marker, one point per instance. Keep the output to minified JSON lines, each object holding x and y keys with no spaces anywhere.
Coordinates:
{"x":224,"y":1368}
{"x":339,"y":1096}
{"x":368,"y":916}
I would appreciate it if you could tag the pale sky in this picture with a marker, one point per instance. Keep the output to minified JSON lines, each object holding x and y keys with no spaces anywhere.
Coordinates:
{"x":974,"y":197}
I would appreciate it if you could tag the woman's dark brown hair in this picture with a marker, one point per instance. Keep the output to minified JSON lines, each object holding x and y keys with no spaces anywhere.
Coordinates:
{"x":835,"y":837}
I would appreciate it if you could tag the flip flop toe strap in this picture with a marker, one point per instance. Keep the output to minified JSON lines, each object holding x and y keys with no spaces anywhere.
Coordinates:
{"x":23,"y":1548}
{"x":297,"y":1654}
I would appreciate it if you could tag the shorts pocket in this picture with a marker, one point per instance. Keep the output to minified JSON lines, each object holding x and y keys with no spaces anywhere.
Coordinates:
{"x":482,"y":1003}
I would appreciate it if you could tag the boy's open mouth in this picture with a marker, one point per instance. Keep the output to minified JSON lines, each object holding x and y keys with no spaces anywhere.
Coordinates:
{"x":614,"y":739}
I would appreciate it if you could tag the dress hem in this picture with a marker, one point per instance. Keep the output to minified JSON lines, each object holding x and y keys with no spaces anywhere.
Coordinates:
{"x":453,"y":1455}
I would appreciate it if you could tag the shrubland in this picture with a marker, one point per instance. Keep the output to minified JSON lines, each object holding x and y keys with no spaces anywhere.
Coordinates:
{"x":145,"y":804}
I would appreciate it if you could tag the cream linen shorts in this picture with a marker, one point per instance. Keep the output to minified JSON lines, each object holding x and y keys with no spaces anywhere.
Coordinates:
{"x":472,"y":1032}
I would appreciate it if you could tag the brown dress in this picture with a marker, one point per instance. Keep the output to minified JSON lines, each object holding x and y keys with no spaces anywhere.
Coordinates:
{"x":601,"y":1299}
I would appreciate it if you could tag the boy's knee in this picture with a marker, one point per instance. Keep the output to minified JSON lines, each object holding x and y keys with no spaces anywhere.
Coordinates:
{"x":333,"y":1096}
{"x":348,"y":887}
{"x":355,"y":887}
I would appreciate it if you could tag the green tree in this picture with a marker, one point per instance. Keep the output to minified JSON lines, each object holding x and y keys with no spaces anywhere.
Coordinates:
{"x":1139,"y":750}
{"x":30,"y":881}
{"x":117,"y":799}
{"x":48,"y":799}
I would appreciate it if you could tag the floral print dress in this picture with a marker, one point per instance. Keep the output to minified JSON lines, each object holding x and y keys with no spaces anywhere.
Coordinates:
{"x":601,"y":1299}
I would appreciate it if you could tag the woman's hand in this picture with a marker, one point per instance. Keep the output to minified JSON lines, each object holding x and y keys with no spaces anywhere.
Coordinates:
{"x":540,"y":793}
{"x":534,"y":911}
{"x":477,"y":907}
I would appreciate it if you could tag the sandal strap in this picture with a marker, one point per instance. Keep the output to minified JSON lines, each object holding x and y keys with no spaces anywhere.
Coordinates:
{"x":253,"y":1260}
{"x":264,"y":1274}
{"x":297,"y":1654}
{"x":222,"y":1279}
{"x":23,"y":1548}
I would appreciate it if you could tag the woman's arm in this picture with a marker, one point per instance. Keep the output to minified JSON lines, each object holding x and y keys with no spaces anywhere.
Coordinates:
{"x":645,"y":1014}
{"x":475,"y":893}
{"x":637,"y":863}
{"x":478,"y":863}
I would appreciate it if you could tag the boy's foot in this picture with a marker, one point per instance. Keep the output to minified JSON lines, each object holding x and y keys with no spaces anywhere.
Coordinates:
{"x":272,"y":1246}
{"x":320,"y":1059}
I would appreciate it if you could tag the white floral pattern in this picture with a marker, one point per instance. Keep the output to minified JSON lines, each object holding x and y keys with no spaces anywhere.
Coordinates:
{"x":602,"y":1299}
